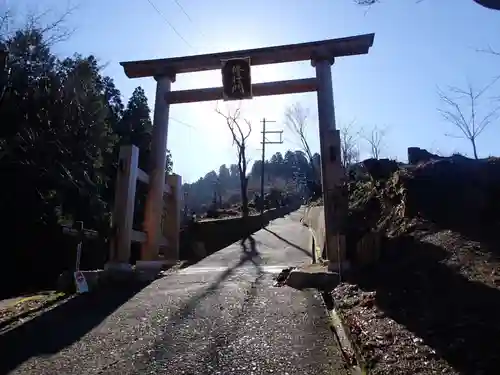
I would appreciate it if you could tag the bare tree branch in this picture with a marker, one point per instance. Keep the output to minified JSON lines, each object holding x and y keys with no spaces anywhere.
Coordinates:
{"x":296,"y":121}
{"x":366,"y":2}
{"x":54,"y":31}
{"x":5,"y":21}
{"x":373,"y":2}
{"x":461,"y":109}
{"x":348,"y":145}
{"x":489,"y":50}
{"x":375,"y":139}
{"x":240,"y":134}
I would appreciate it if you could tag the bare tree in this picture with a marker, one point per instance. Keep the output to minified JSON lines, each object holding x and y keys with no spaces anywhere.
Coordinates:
{"x":296,"y":121}
{"x":54,"y":31}
{"x":462,"y":109}
{"x":240,"y":134}
{"x":348,"y":145}
{"x":375,"y":139}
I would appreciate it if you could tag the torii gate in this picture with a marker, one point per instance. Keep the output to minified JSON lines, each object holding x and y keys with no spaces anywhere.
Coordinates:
{"x":322,"y":55}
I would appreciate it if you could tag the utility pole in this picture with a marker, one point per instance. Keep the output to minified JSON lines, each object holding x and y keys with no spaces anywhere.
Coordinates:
{"x":264,"y":143}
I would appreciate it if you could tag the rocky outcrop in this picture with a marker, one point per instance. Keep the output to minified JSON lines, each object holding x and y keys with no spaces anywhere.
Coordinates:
{"x":438,"y":219}
{"x":453,"y":192}
{"x":310,"y":276}
{"x":418,"y":155}
{"x":380,"y":169}
{"x":387,"y":198}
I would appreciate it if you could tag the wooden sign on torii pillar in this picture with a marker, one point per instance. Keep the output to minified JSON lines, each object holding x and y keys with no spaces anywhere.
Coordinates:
{"x":321,"y":54}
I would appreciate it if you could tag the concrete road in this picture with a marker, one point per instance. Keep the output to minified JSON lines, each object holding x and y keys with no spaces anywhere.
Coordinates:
{"x":220,"y":316}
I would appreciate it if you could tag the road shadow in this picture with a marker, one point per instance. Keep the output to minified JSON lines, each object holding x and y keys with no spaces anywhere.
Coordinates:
{"x":213,"y":359}
{"x":219,"y":234}
{"x":218,"y":335}
{"x":457,"y":317}
{"x":308,"y":253}
{"x":56,"y":329}
{"x":249,"y":253}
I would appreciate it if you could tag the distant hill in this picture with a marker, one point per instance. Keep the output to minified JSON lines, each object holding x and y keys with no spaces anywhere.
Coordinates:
{"x":290,"y":172}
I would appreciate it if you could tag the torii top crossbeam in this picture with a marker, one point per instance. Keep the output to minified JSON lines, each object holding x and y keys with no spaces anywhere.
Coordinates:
{"x":331,"y":48}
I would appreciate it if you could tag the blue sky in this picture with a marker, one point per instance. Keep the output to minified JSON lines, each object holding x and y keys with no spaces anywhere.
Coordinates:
{"x":417,"y":48}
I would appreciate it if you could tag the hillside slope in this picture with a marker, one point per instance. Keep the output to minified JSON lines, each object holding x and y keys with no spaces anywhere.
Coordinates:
{"x":431,"y":304}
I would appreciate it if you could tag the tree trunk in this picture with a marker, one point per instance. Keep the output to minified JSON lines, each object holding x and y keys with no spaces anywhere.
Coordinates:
{"x":473,"y":141}
{"x":244,"y":196}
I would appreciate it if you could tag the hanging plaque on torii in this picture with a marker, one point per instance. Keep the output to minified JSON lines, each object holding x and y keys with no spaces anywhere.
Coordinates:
{"x":236,"y":79}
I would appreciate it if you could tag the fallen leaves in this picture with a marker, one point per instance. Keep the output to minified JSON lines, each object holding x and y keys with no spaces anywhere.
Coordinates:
{"x":26,"y":305}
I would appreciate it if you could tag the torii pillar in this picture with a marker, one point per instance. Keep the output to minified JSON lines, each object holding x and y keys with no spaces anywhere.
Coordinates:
{"x":154,"y":202}
{"x":335,"y":202}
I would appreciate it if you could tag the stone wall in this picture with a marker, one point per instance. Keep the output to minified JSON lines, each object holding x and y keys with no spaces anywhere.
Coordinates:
{"x":314,"y":219}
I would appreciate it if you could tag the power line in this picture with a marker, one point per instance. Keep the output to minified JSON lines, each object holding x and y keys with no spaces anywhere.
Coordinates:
{"x":170,"y":24}
{"x":189,"y":18}
{"x":183,"y":123}
{"x":183,"y":11}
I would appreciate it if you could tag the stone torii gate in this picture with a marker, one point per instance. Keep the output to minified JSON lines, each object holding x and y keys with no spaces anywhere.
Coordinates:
{"x":321,"y":54}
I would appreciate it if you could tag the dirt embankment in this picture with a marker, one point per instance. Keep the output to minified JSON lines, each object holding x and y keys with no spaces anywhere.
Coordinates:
{"x":431,"y":304}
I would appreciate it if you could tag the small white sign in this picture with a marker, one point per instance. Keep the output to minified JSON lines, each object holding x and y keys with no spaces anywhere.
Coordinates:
{"x":81,"y":283}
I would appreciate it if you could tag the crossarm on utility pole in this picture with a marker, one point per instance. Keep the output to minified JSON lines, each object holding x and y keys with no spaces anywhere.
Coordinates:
{"x":264,"y":143}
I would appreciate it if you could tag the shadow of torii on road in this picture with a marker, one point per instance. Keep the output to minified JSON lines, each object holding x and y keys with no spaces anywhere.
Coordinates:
{"x":249,"y":254}
{"x":308,"y":253}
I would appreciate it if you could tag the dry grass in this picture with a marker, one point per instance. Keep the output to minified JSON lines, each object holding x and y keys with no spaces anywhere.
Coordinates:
{"x":27,"y":305}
